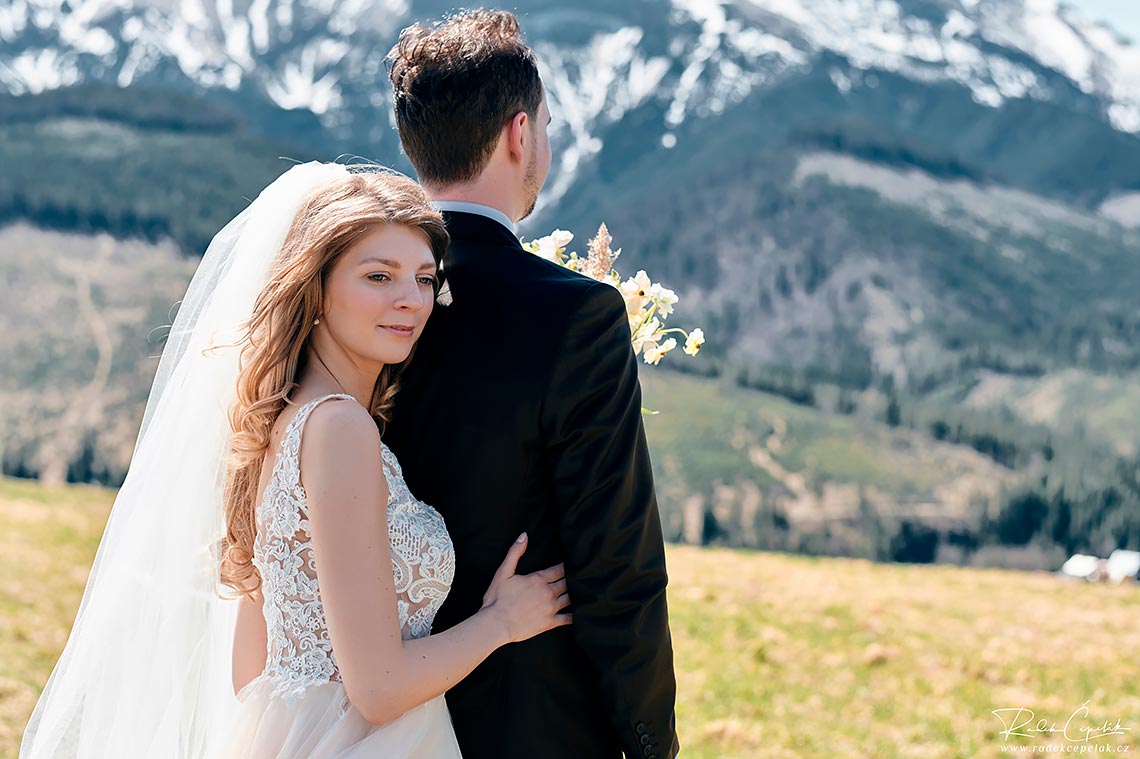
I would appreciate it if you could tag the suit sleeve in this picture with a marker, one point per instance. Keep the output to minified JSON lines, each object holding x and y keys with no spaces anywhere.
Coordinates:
{"x":609,"y":522}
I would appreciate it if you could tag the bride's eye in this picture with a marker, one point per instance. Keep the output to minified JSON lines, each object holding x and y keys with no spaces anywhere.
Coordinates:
{"x":378,"y":274}
{"x":427,"y":281}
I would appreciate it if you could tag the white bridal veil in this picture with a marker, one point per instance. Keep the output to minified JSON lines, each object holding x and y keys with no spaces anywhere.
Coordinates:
{"x":146,"y":671}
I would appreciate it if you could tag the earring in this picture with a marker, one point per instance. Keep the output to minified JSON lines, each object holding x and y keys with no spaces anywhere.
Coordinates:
{"x":316,"y":321}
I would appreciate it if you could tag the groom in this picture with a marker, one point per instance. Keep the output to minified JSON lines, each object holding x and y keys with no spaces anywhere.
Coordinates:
{"x":522,"y":411}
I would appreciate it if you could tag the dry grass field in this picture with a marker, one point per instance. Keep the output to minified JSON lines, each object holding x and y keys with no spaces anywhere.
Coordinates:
{"x":777,"y":655}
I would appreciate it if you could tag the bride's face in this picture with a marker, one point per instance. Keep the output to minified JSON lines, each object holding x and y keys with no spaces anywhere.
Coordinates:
{"x":379,"y":294}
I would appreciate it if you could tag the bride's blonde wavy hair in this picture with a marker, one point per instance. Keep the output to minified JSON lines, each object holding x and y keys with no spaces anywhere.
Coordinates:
{"x":274,"y":341}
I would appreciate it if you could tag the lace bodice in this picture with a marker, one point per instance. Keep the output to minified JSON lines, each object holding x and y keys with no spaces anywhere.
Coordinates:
{"x":423,"y":564}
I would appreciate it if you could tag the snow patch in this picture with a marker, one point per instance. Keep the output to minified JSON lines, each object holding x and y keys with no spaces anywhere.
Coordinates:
{"x":259,"y":25}
{"x":194,"y":13}
{"x":13,"y":20}
{"x":94,"y":40}
{"x":35,"y":71}
{"x":1124,"y":209}
{"x":311,"y":81}
{"x":591,"y":87}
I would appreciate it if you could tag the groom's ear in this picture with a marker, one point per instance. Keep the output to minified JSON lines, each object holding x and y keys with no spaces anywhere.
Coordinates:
{"x":518,"y":131}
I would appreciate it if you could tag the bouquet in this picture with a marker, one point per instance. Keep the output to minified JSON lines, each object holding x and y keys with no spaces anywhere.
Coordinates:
{"x":647,"y":303}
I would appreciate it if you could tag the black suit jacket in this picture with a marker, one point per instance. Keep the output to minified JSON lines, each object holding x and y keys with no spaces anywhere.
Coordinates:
{"x":521,"y":410}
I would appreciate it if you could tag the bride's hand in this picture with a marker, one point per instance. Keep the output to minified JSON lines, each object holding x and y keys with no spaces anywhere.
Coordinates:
{"x":527,"y":605}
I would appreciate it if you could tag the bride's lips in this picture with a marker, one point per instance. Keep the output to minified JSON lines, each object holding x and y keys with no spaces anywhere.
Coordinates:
{"x":398,"y":330}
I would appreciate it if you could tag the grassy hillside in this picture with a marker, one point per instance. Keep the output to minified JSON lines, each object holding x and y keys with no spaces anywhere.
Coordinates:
{"x":744,"y":468}
{"x":1105,"y":406}
{"x":776,"y":656}
{"x":80,"y":355}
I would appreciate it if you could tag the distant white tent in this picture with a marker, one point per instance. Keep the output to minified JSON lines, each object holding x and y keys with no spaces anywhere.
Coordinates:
{"x":1081,"y":566}
{"x":1123,"y":565}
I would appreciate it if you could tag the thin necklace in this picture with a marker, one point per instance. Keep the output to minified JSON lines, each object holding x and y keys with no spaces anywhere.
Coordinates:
{"x":331,"y":374}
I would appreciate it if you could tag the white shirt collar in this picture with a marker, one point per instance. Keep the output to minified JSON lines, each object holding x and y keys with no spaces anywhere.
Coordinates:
{"x":475,"y":208}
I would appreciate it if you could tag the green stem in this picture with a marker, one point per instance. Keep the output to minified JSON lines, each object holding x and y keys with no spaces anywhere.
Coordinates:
{"x":645,"y":319}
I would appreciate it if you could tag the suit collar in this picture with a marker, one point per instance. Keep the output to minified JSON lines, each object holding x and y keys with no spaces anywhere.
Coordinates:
{"x":468,"y":228}
{"x":475,"y":208}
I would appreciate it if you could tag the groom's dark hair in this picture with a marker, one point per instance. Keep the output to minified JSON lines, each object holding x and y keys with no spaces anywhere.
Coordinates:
{"x":455,"y":86}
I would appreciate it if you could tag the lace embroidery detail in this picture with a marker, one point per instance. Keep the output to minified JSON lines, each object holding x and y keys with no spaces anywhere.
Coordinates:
{"x":299,"y":651}
{"x":423,"y":558}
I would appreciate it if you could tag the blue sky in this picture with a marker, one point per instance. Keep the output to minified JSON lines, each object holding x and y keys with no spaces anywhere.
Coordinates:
{"x":1122,"y":14}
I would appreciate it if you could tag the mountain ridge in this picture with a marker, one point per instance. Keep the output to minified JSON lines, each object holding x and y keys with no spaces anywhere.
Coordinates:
{"x":687,"y":59}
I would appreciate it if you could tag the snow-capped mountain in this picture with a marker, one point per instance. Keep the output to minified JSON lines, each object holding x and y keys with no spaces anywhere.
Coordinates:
{"x":682,"y":61}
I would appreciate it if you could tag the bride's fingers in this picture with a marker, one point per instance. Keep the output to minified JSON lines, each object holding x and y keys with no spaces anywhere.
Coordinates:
{"x":562,"y":601}
{"x":552,"y":574}
{"x":563,"y":619}
{"x":558,"y":588}
{"x":510,"y":563}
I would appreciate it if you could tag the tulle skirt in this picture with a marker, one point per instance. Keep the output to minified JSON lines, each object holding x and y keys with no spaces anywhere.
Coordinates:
{"x":324,"y":725}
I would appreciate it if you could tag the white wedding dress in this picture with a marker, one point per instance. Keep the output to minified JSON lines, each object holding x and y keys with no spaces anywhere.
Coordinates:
{"x":298,"y":708}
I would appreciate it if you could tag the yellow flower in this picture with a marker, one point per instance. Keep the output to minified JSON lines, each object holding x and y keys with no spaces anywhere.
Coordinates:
{"x":655,"y":353}
{"x":695,"y":341}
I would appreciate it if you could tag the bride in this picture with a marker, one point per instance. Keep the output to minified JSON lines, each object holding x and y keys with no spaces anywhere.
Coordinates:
{"x":260,"y":471}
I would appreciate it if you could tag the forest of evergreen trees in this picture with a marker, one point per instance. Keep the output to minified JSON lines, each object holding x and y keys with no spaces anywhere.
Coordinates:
{"x":150,"y":164}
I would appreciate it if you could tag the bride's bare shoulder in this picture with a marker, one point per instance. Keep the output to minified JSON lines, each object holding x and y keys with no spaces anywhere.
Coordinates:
{"x":340,"y":442}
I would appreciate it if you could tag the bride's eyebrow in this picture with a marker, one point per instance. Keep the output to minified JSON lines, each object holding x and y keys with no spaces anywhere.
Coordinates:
{"x":393,"y":264}
{"x":385,"y":261}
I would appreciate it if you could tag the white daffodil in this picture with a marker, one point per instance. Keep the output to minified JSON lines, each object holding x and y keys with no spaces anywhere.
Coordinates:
{"x":645,"y":345}
{"x":664,"y":297}
{"x":695,"y":341}
{"x":554,"y":244}
{"x":655,"y":353}
{"x":647,"y":304}
{"x":634,"y":321}
{"x":643,"y":282}
{"x":636,"y":291}
{"x":551,"y":246}
{"x":649,"y":329}
{"x":544,"y":249}
{"x":634,"y":303}
{"x":646,"y":336}
{"x":560,"y":238}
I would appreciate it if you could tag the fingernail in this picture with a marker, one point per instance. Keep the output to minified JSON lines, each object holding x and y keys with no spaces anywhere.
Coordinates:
{"x":521,"y":538}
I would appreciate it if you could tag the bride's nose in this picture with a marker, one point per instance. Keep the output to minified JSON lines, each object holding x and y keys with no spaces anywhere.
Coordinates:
{"x":411,"y":296}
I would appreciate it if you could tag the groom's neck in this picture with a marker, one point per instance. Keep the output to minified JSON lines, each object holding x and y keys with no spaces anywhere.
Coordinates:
{"x":485,"y":193}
